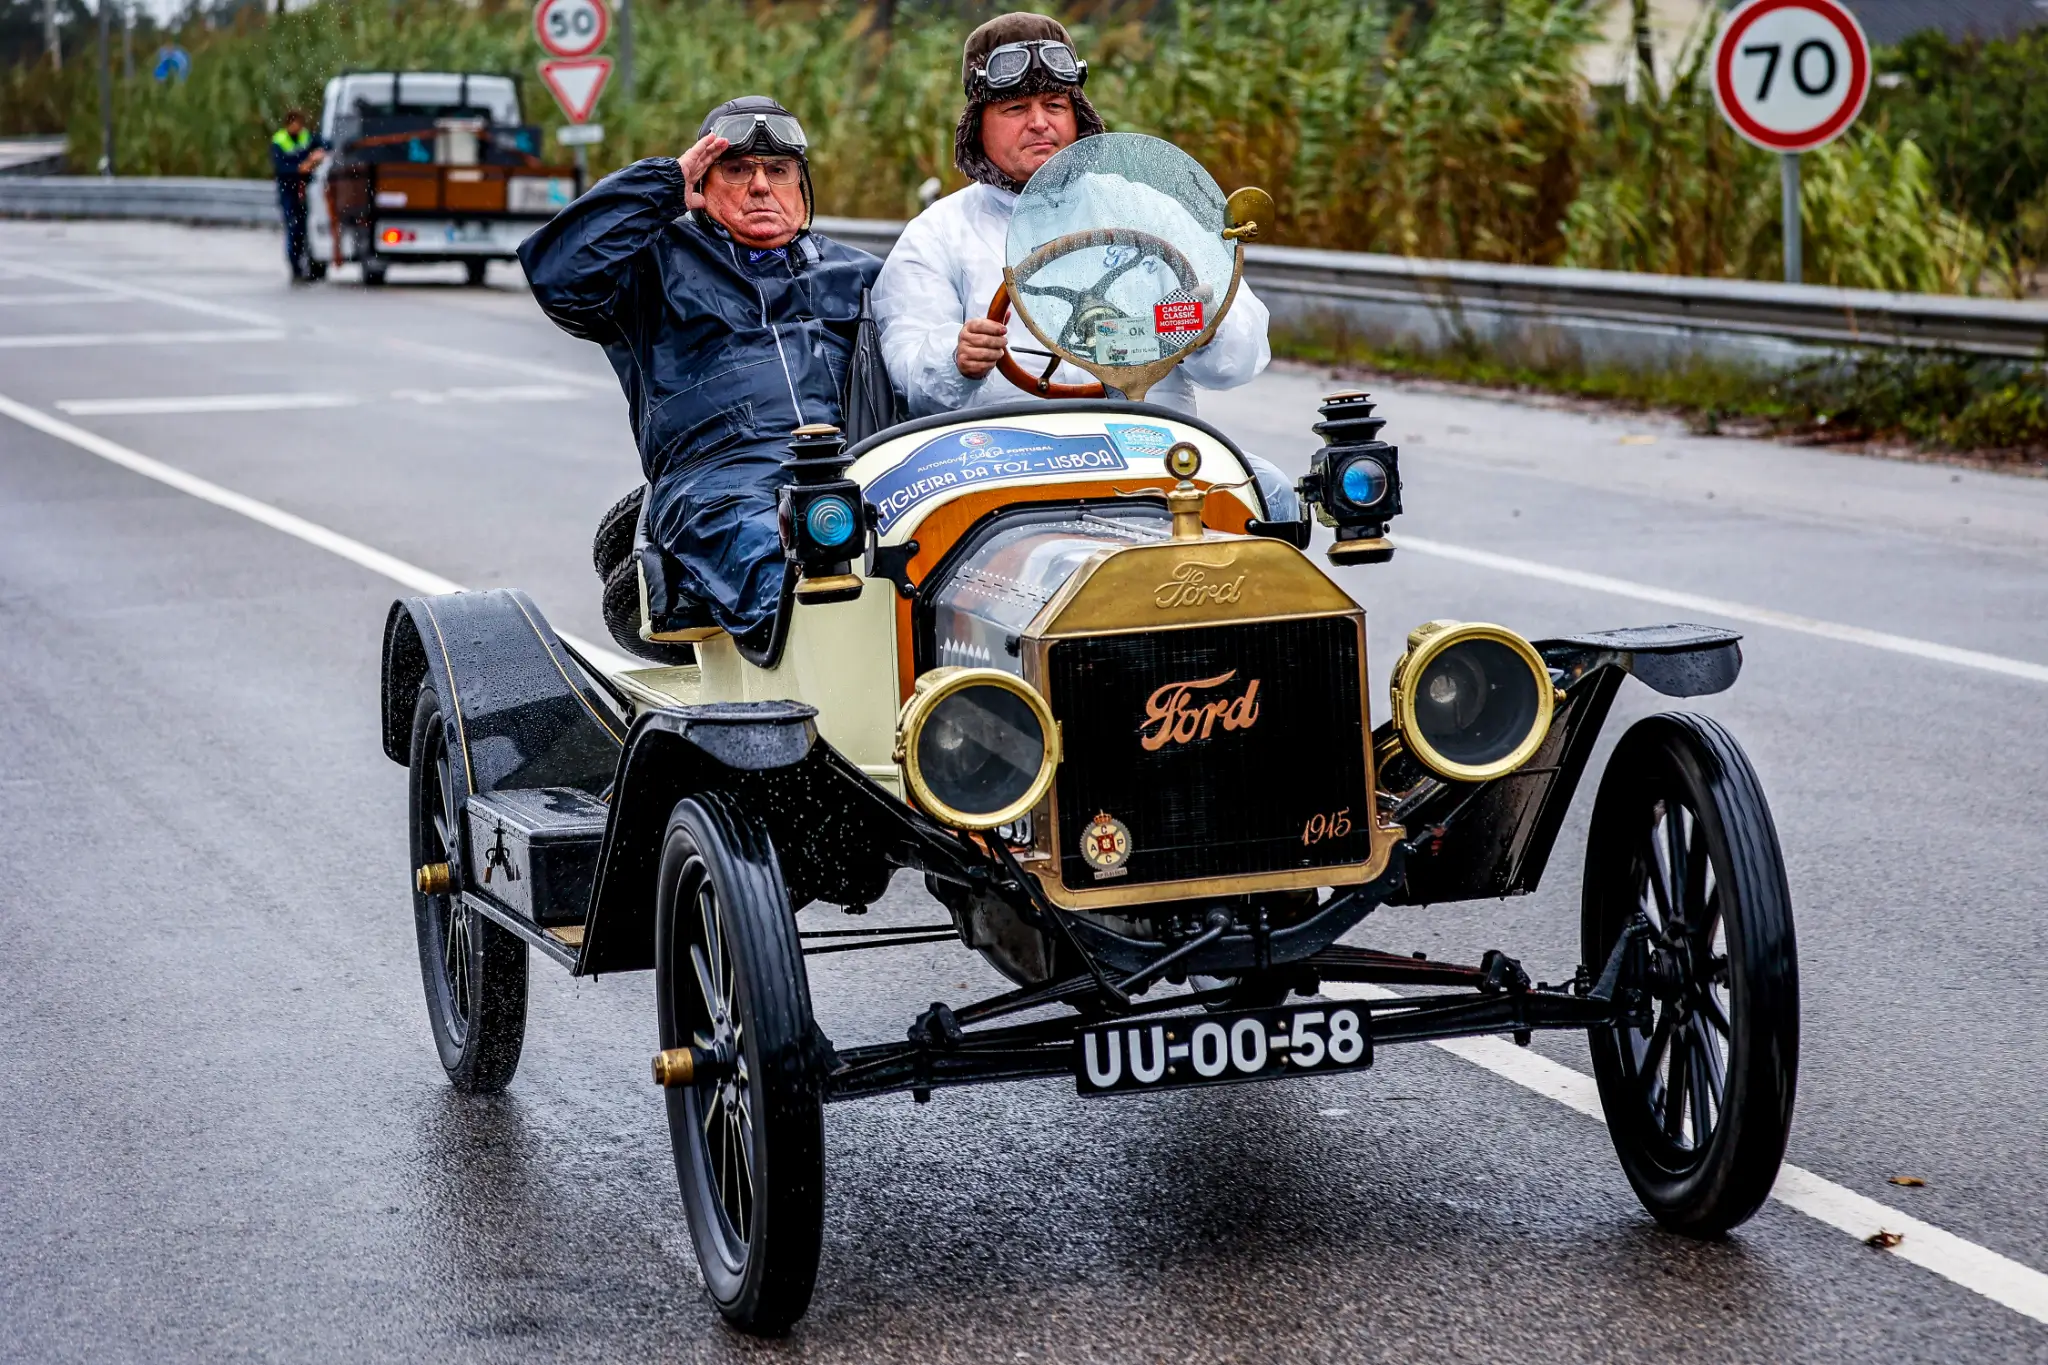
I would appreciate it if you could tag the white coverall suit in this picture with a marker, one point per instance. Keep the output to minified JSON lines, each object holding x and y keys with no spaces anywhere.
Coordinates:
{"x":945,"y":269}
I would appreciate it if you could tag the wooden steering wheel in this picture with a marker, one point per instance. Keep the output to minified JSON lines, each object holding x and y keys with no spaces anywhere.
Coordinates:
{"x":1085,"y":301}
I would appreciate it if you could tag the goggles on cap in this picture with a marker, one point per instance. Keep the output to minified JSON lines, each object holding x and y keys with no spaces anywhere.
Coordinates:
{"x":758,"y":132}
{"x":1007,"y":65}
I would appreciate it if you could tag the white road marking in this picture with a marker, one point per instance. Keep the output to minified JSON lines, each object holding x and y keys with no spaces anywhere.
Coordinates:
{"x":1976,"y":1268}
{"x":57,"y":340}
{"x":282,"y":402}
{"x":1979,"y":1269}
{"x":219,"y":402}
{"x":539,"y":369}
{"x":144,"y":294}
{"x":39,"y":300}
{"x":1734,"y":611}
{"x":376,"y":561}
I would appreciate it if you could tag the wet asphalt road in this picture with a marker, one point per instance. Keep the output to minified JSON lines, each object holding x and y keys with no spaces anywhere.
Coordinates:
{"x":224,"y":1133}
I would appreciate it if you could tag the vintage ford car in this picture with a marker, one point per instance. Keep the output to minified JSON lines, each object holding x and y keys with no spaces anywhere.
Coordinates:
{"x":1055,"y":657}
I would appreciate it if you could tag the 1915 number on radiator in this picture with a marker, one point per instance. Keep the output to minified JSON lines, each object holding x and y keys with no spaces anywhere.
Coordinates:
{"x":1215,"y":1049}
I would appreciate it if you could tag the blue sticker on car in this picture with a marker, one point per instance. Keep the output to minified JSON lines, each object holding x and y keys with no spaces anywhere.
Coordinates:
{"x":984,"y":454}
{"x":1140,"y":440}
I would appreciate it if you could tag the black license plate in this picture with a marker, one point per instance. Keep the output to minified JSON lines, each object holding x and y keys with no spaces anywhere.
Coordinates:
{"x":1217,"y":1049}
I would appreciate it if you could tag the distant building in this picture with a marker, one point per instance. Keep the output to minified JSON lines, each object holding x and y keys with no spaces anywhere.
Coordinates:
{"x":1610,"y":60}
{"x":1887,"y":21}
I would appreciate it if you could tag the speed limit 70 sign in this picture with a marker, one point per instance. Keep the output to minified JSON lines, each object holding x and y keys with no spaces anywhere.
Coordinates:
{"x":571,"y":28}
{"x":1791,"y":75}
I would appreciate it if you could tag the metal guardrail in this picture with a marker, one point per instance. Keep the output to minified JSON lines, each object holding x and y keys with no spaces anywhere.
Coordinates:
{"x":1531,"y":312}
{"x":176,"y":199}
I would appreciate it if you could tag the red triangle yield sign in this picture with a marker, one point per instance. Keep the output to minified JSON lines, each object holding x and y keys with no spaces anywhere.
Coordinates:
{"x":577,"y":84}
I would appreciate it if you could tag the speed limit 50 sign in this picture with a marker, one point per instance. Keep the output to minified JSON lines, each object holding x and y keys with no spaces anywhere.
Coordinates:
{"x":571,"y":28}
{"x":1791,"y":75}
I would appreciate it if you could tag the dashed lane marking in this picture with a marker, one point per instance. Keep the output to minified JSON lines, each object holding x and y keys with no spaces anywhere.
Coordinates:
{"x":1734,"y":611}
{"x":51,"y":300}
{"x":60,"y":340}
{"x":144,"y":294}
{"x":285,"y":402}
{"x":1976,"y":1268}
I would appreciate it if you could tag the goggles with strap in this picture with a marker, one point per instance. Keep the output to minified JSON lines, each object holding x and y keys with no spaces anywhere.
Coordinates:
{"x":1007,"y":65}
{"x":761,"y":133}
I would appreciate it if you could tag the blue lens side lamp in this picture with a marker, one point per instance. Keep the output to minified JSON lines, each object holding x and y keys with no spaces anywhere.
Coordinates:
{"x":822,"y":515}
{"x":1355,"y":482}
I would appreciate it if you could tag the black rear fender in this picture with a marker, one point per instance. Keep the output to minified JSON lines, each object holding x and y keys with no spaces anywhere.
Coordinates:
{"x":521,"y":711}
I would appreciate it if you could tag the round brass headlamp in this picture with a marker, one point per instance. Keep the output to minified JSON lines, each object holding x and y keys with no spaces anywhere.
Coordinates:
{"x":1472,"y":701}
{"x":978,"y":746}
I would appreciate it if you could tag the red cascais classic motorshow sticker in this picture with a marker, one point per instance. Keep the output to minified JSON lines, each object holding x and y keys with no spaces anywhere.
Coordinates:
{"x":1182,"y":316}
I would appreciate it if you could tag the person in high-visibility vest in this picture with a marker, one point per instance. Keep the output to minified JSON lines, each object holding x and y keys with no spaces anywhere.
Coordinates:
{"x":294,"y":153}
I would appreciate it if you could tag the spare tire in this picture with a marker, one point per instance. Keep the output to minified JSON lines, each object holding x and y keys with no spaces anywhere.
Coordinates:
{"x":622,"y":617}
{"x":614,"y":539}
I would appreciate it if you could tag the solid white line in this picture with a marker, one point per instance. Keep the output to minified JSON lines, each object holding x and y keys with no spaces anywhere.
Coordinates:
{"x":1979,"y":1269}
{"x":56,"y":340}
{"x":408,"y":575}
{"x":144,"y":294}
{"x":539,"y":369}
{"x":1734,"y":611}
{"x":219,"y":402}
{"x":1976,"y":1268}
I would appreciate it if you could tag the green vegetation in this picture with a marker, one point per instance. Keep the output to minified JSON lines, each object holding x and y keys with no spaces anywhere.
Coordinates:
{"x":1458,"y":128}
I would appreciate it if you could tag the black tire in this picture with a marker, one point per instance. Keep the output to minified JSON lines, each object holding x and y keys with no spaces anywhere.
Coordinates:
{"x":316,"y":270}
{"x":613,"y":542}
{"x":477,"y":271}
{"x":474,"y":971}
{"x":1682,"y":835}
{"x":373,"y":274}
{"x":622,"y":618}
{"x":750,"y":1148}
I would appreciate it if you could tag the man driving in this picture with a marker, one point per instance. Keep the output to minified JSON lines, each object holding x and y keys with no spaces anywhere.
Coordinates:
{"x":1023,"y":83}
{"x":1024,"y":103}
{"x":729,"y":324}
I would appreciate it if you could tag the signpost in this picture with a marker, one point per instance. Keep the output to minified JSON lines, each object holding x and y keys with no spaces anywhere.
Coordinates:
{"x":569,"y":31}
{"x":1790,"y":76}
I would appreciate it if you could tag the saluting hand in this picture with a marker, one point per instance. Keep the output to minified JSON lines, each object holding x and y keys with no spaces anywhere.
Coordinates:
{"x":696,"y":163}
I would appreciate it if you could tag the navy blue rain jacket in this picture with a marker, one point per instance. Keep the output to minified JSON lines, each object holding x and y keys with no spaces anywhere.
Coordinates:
{"x":722,"y":352}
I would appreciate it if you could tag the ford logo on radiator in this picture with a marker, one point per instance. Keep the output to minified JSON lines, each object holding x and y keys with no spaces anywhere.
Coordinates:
{"x":1184,"y":711}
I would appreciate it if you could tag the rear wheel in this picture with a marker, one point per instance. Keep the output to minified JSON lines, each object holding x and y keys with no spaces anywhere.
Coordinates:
{"x":477,"y":271}
{"x":474,"y":971}
{"x":613,"y":542}
{"x":1698,"y":1088}
{"x":749,"y":1139}
{"x":373,"y":273}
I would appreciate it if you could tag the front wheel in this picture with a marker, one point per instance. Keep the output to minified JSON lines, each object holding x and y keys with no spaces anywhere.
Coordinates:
{"x":749,"y":1135}
{"x":1698,"y":1086}
{"x":474,"y":971}
{"x":476,"y":271}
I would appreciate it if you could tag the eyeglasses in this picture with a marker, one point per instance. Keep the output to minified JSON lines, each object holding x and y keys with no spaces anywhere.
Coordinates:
{"x":765,"y":132}
{"x":1007,"y":65}
{"x":740,"y":170}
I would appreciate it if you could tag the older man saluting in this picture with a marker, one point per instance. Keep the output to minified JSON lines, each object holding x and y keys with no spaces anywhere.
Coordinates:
{"x":729,"y":324}
{"x":1024,"y":103}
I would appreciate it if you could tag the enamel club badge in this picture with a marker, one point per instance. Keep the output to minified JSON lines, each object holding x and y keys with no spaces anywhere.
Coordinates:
{"x":1106,"y":845}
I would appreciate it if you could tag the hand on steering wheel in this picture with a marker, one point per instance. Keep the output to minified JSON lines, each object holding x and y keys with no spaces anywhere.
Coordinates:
{"x":1085,"y":306}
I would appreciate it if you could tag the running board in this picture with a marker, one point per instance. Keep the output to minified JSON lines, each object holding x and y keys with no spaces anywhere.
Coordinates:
{"x":564,"y":945}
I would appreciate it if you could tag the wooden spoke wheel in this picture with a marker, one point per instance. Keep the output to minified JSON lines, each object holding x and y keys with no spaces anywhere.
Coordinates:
{"x":1698,"y":1087}
{"x":748,"y":1133}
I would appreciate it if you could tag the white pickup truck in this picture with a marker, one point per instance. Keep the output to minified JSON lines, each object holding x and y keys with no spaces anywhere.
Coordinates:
{"x":427,"y":166}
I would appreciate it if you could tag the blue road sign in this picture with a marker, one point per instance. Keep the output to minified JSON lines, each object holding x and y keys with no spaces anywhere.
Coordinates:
{"x":170,"y":62}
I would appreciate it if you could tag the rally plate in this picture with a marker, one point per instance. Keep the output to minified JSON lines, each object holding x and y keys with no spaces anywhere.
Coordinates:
{"x":1218,"y":1049}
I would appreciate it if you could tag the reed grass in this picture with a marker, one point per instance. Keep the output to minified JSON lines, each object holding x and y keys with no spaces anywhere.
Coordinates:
{"x":1468,"y":136}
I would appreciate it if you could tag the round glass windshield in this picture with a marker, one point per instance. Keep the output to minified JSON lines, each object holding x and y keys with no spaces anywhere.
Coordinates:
{"x":1117,"y":251}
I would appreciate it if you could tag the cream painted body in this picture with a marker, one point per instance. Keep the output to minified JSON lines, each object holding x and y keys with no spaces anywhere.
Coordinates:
{"x":842,"y":657}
